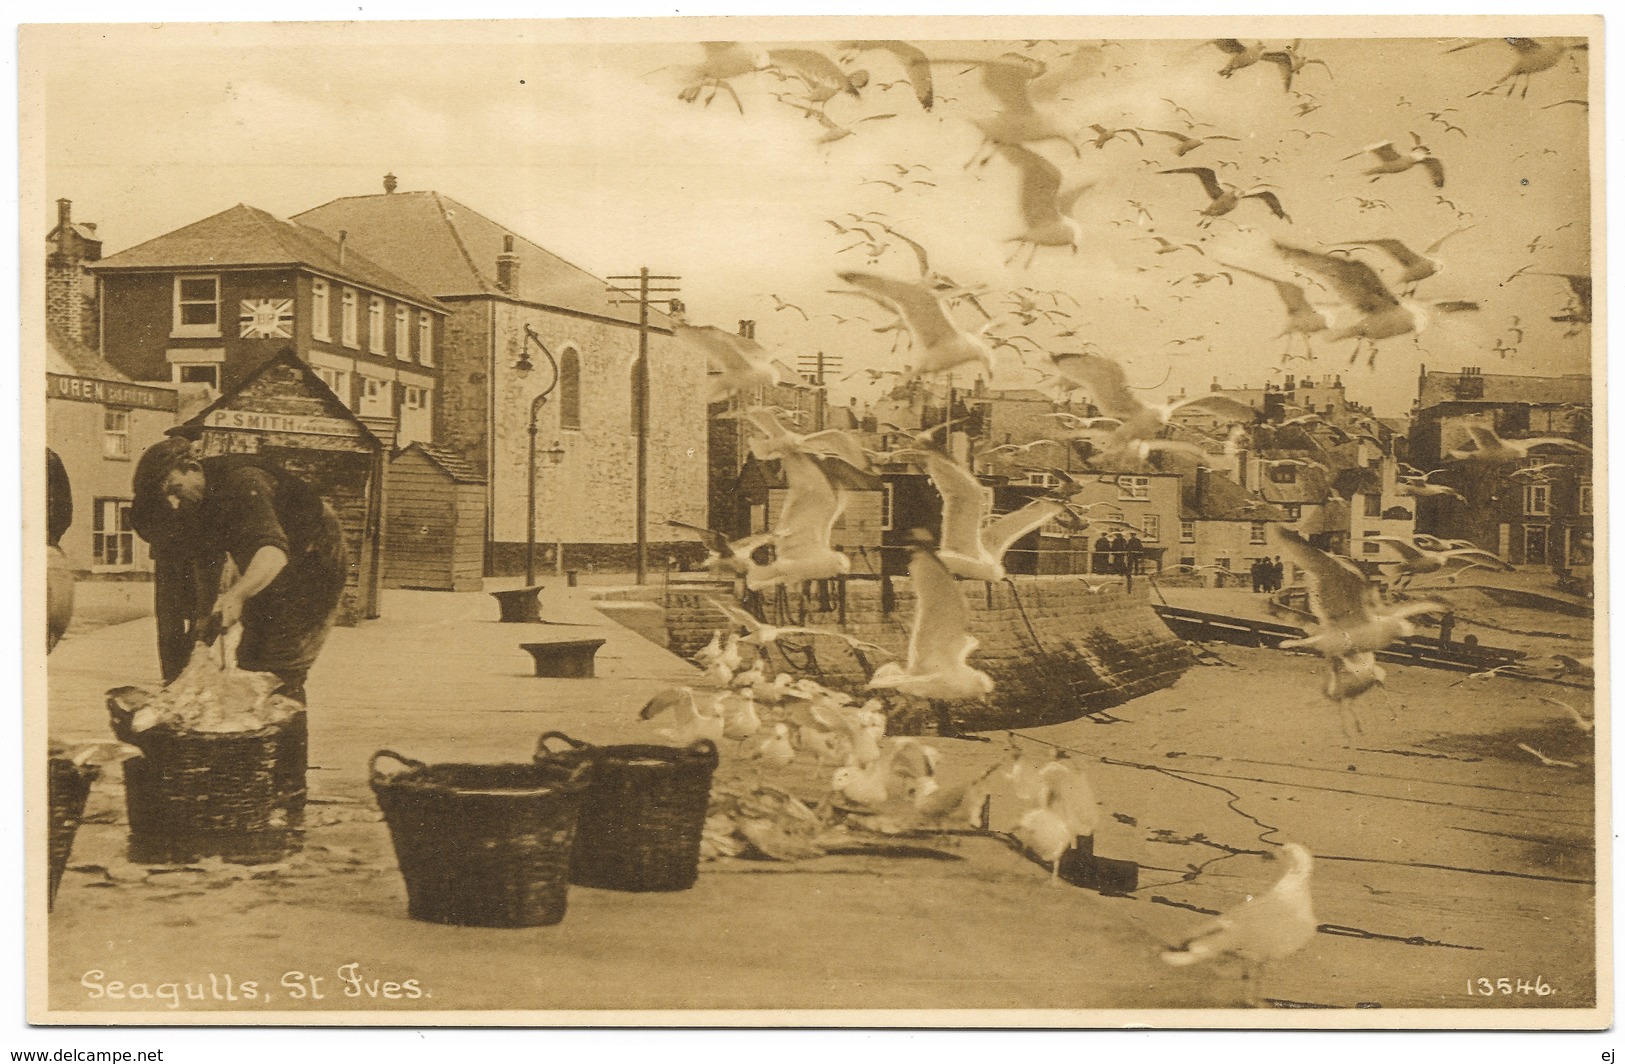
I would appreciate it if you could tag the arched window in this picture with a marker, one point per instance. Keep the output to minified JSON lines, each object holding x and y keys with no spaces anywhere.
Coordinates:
{"x":570,"y":390}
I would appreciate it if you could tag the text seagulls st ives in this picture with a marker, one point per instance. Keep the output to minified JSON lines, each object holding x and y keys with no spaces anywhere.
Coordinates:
{"x":348,"y":981}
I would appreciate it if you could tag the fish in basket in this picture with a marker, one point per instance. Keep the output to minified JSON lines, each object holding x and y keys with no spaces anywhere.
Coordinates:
{"x":643,"y":814}
{"x":222,"y":765}
{"x":482,"y":845}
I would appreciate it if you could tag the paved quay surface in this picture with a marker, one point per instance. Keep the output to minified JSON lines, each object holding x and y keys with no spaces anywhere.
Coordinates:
{"x":1444,"y":853}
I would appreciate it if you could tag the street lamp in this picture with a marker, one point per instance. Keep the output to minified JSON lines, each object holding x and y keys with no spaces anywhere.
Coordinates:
{"x":555,"y":453}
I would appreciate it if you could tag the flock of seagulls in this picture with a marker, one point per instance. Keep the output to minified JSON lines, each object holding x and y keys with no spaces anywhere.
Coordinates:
{"x":1327,"y":292}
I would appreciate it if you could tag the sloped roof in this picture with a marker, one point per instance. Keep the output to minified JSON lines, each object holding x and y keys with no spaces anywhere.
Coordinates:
{"x":448,"y":462}
{"x":318,"y":388}
{"x":64,"y":354}
{"x":1220,"y":498}
{"x":1309,"y":485}
{"x":451,"y":250}
{"x":1437,"y":388}
{"x":247,"y":236}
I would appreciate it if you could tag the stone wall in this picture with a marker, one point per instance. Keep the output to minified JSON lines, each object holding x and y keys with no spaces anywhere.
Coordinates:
{"x":1054,"y":649}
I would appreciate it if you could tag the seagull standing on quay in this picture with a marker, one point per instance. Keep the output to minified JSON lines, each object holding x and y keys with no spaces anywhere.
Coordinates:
{"x":1262,"y":930}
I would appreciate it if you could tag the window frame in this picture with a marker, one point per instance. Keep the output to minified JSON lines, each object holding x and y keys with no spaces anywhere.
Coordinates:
{"x":1187,"y":530}
{"x":403,"y":333}
{"x":339,"y":384}
{"x":121,"y":453}
{"x":375,"y":325}
{"x":1150,"y":528}
{"x":1585,"y":501}
{"x":321,"y":310}
{"x":180,"y":328}
{"x":425,"y":338}
{"x":570,"y":390}
{"x":1133,"y":487}
{"x":1256,"y":534}
{"x":888,"y":500}
{"x":1533,"y":491}
{"x":122,"y":535}
{"x":349,"y":317}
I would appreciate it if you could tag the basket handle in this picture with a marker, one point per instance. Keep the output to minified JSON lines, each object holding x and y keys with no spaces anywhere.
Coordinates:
{"x":541,"y":744}
{"x":578,"y":773}
{"x":705,"y":748}
{"x":372,"y":763}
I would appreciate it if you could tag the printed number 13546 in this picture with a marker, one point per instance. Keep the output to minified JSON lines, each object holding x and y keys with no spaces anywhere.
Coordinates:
{"x":1490,"y":987}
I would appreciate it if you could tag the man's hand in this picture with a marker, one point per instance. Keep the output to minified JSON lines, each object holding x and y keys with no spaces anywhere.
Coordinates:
{"x":229,"y":608}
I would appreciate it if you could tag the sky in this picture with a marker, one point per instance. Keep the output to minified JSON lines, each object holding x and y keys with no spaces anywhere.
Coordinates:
{"x":585,"y":148}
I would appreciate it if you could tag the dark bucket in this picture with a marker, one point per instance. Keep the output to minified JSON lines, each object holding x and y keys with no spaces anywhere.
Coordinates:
{"x":642,"y":815}
{"x":482,"y":845}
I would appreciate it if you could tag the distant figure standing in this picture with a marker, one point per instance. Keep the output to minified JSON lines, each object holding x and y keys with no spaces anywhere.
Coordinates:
{"x":1277,"y":574}
{"x":1258,"y":575}
{"x":1101,"y":562}
{"x":1119,"y":553}
{"x":1447,"y":625}
{"x":1135,"y":550}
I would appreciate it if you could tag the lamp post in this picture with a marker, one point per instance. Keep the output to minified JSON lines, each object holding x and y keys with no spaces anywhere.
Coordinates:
{"x":555,"y":453}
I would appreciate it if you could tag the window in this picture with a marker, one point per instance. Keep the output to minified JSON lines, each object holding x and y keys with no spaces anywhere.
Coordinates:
{"x":1294,"y":510}
{"x":570,"y":390}
{"x":425,"y":338}
{"x":885,"y":507}
{"x":1222,"y":563}
{"x":375,"y":325}
{"x":1373,"y":504}
{"x":1187,"y":531}
{"x":1150,"y":528}
{"x":198,"y":373}
{"x":1283,"y":473}
{"x":1257,"y":533}
{"x":321,"y":311}
{"x":112,"y":540}
{"x":1537,"y":499}
{"x":1584,"y":503}
{"x":197,"y":306}
{"x":337,"y":380}
{"x":1369,"y":545}
{"x":1134,"y":487}
{"x":116,"y":434}
{"x":1188,"y":561}
{"x":375,"y":397}
{"x":403,"y":334}
{"x":347,"y":326}
{"x":415,"y":398}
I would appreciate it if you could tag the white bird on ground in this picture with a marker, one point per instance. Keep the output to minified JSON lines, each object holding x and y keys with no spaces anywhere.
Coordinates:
{"x":941,"y":344}
{"x":1103,"y":378}
{"x":1224,"y":197}
{"x":740,"y":720}
{"x":802,"y":549}
{"x":939,"y":643}
{"x":776,"y":751}
{"x":1584,"y":668}
{"x":1262,"y":930}
{"x":1491,"y":448}
{"x":896,"y":773}
{"x":690,"y":722}
{"x":971,"y":548}
{"x":1390,"y":161}
{"x":741,"y":363}
{"x":1046,"y":211}
{"x":1045,"y":831}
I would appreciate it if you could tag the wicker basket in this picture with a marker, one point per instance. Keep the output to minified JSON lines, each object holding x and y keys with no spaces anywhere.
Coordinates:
{"x":482,"y":845}
{"x":643,"y":814}
{"x":68,"y":786}
{"x":238,"y":796}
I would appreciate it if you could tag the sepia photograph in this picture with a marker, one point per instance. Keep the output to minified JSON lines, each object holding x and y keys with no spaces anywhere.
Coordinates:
{"x":1041,"y":522}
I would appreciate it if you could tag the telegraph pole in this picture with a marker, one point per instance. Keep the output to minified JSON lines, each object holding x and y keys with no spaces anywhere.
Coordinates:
{"x":641,"y":413}
{"x":814,"y":367}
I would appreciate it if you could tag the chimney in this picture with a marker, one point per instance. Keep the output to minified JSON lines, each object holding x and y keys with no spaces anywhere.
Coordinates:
{"x":1214,"y":386}
{"x":64,"y":227}
{"x":1201,"y":487}
{"x":343,"y":236}
{"x":389,"y":183}
{"x":677,"y":307}
{"x":747,"y":328}
{"x":507,"y":266}
{"x":1290,"y":384}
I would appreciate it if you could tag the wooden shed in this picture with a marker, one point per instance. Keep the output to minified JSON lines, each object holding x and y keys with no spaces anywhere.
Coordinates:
{"x":434,"y":534}
{"x":285,"y":414}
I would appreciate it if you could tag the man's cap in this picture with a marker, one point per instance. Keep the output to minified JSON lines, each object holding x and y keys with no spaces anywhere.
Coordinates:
{"x":157,"y":462}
